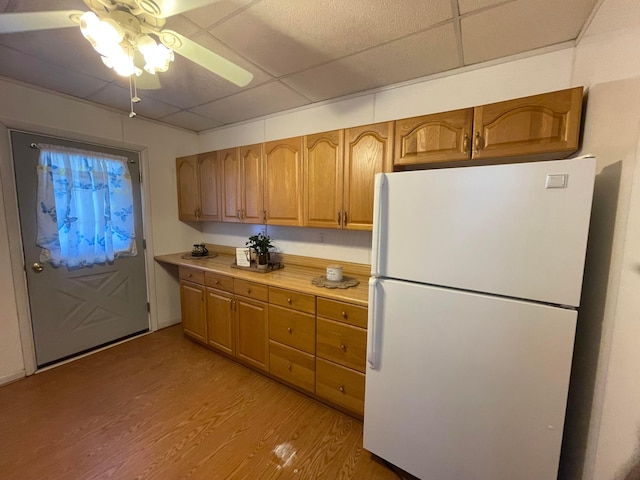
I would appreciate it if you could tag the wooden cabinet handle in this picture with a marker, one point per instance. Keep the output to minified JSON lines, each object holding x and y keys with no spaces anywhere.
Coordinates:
{"x":477,"y":142}
{"x":341,"y":388}
{"x":344,"y":314}
{"x":248,"y":291}
{"x":465,"y":144}
{"x":217,"y":282}
{"x":289,"y":329}
{"x":344,"y":219}
{"x":343,"y":347}
{"x":188,"y":275}
{"x":289,"y":367}
{"x":289,"y":301}
{"x":340,"y":217}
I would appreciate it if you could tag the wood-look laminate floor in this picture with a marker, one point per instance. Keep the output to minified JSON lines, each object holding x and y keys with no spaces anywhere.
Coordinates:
{"x":162,"y":407}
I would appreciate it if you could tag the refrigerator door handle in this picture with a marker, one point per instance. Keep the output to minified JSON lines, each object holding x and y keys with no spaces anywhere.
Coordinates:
{"x":380,"y":181}
{"x":373,"y":327}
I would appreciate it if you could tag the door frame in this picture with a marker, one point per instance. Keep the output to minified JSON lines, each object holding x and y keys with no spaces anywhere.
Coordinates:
{"x":14,"y":237}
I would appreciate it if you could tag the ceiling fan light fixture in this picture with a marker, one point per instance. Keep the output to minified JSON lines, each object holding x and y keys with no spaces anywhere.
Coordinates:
{"x":104,"y":35}
{"x":156,"y":56}
{"x":121,"y":62}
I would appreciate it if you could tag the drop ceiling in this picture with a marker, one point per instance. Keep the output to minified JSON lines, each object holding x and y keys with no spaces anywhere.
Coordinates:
{"x":299,"y":51}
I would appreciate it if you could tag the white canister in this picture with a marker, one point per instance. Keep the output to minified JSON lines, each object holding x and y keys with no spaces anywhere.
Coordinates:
{"x":334,"y":273}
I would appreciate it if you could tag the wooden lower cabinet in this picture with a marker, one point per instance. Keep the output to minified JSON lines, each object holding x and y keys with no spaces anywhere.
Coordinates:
{"x":220,"y":332}
{"x":252,"y":341}
{"x":293,"y":366}
{"x":192,"y":306}
{"x":314,"y":344}
{"x":340,"y":385}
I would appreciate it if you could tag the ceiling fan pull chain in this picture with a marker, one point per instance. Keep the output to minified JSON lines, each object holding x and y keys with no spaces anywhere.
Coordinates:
{"x":132,"y":82}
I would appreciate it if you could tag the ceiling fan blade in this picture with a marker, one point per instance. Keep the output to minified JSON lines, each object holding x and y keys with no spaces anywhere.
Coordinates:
{"x":25,"y":22}
{"x":167,"y":8}
{"x":147,"y":81}
{"x":205,"y":58}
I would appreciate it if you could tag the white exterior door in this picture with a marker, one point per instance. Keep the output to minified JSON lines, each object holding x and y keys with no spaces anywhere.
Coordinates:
{"x":75,"y":310}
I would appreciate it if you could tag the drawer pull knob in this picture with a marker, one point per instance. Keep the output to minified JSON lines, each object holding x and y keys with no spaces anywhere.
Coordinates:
{"x":289,"y":367}
{"x":217,"y":282}
{"x":289,"y":301}
{"x":344,"y":314}
{"x":343,"y":347}
{"x":248,"y":291}
{"x":341,"y":388}
{"x":188,"y":275}
{"x":289,"y":330}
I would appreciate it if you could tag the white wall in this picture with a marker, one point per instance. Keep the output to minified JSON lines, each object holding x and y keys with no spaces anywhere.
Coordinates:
{"x":469,"y":87}
{"x":42,"y":112}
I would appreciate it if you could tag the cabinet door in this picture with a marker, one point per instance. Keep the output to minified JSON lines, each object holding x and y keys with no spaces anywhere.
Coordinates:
{"x":188,"y":188}
{"x":220,"y":321}
{"x":252,"y":343}
{"x":441,"y":137}
{"x":537,"y":125}
{"x":193,"y":310}
{"x":210,"y":195}
{"x":283,"y":182}
{"x":368,"y":151}
{"x":252,"y":184}
{"x":231,"y":184}
{"x":323,"y":178}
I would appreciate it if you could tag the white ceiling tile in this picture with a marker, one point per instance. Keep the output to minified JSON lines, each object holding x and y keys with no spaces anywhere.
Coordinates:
{"x":516,"y":27}
{"x":286,"y":36}
{"x":28,"y":69}
{"x":268,"y":98}
{"x":206,"y":16}
{"x":190,"y":121}
{"x":466,"y":6}
{"x":182,"y":25}
{"x":615,"y":15}
{"x":215,"y":45}
{"x":415,"y":56}
{"x":41,"y":5}
{"x":118,"y":97}
{"x":66,"y":47}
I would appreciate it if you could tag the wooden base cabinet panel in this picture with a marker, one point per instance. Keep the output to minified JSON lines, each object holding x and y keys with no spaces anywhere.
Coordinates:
{"x":295,"y":329}
{"x":220,"y":334}
{"x":252,"y":320}
{"x":292,"y":366}
{"x":341,"y":386}
{"x":192,"y":305}
{"x":342,"y":344}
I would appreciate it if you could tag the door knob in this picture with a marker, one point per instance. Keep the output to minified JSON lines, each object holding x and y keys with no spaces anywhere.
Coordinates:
{"x":36,"y":267}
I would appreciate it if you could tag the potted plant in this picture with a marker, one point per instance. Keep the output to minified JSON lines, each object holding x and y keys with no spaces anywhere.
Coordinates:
{"x":260,"y":244}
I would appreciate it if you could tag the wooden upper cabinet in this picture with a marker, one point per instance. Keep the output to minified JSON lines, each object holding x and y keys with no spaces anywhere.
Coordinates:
{"x":323,"y":179}
{"x":188,"y":188}
{"x":210,"y":191}
{"x":231,"y":168}
{"x":283,"y":181}
{"x":542,"y":126}
{"x":440,"y":137}
{"x":252,"y":209}
{"x":368,"y":150}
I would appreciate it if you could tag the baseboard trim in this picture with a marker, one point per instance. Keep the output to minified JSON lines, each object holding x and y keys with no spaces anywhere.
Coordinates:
{"x":13,"y":377}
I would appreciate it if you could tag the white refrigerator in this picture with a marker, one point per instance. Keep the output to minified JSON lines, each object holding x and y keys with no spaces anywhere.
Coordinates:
{"x":476,"y":280}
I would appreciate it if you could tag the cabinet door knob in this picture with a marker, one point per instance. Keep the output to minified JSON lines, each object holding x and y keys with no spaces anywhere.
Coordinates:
{"x":477,"y":142}
{"x":465,"y":143}
{"x":341,"y":388}
{"x":289,"y":330}
{"x":343,"y":347}
{"x":344,"y":314}
{"x":217,"y":282}
{"x":289,"y":301}
{"x":188,"y":275}
{"x":340,"y":217}
{"x":248,"y":291}
{"x":289,"y":367}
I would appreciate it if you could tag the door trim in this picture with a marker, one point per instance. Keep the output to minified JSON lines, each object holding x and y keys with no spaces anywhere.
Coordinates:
{"x":14,"y":237}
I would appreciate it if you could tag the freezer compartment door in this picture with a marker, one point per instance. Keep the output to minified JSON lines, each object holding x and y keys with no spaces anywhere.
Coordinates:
{"x":467,"y":386}
{"x":518,"y":230}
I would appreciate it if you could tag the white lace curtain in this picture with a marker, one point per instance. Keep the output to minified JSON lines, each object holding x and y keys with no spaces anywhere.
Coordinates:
{"x":85,"y":207}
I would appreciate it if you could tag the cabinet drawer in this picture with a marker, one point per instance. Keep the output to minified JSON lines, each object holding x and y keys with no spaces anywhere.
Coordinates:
{"x":342,"y":343}
{"x":251,"y":289}
{"x":340,"y":385}
{"x":290,"y":299}
{"x":292,"y":328}
{"x":292,"y":366}
{"x":221,"y":282}
{"x":191,"y":274}
{"x":342,"y":312}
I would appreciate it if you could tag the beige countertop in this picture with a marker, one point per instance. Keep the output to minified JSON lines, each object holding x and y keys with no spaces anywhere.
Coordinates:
{"x":292,"y":276}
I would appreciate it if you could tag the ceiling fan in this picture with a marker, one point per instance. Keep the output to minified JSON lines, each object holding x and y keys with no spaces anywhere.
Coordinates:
{"x":123,"y":31}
